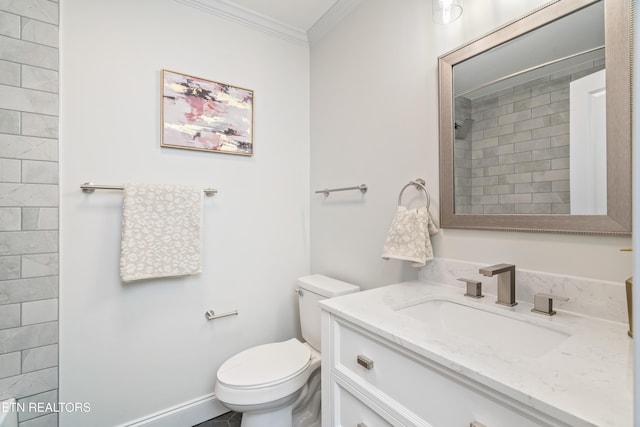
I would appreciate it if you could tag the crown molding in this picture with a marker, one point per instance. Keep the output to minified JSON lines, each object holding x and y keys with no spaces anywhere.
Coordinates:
{"x":251,"y":19}
{"x":329,"y":20}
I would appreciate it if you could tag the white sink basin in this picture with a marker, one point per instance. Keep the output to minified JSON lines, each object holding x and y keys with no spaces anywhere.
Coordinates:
{"x":503,"y":331}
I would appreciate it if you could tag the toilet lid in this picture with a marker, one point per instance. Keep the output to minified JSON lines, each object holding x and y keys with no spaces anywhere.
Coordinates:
{"x":265,"y":364}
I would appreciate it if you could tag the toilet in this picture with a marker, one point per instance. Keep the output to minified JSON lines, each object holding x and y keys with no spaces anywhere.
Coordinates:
{"x":278,"y":384}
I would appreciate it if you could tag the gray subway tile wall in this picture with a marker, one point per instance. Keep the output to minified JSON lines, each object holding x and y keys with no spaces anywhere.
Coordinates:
{"x":515,"y":159}
{"x":29,"y":83}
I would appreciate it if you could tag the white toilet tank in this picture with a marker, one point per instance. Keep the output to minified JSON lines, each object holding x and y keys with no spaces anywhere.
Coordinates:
{"x":313,"y":289}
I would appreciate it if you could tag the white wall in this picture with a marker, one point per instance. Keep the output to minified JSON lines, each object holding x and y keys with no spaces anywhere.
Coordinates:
{"x":374,"y":119}
{"x":131,"y":350}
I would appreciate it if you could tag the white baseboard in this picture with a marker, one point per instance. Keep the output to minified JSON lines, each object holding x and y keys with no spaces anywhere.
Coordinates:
{"x":186,"y":414}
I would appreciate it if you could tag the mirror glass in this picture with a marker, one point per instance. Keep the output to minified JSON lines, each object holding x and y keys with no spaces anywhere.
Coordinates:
{"x":517,"y":128}
{"x":525,"y":113}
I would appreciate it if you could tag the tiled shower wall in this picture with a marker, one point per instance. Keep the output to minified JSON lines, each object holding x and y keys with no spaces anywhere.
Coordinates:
{"x":515,"y":158}
{"x":29,"y":208}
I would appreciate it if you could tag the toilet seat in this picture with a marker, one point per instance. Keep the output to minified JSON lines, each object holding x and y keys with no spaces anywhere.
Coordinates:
{"x":266,"y":372}
{"x":265,"y":365}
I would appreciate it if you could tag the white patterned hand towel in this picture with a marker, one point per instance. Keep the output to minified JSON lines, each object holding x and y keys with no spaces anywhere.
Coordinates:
{"x":161,"y":231}
{"x":409,"y":237}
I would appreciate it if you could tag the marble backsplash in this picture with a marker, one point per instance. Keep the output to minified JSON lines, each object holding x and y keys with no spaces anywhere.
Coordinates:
{"x":590,"y":297}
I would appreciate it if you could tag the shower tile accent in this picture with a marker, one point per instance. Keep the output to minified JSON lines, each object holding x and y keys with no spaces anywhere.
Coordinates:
{"x":31,"y":383}
{"x":40,"y":125}
{"x":50,"y":420}
{"x":39,"y":32}
{"x":28,"y":242}
{"x":42,"y":10}
{"x":29,"y":85}
{"x":27,"y":337}
{"x":21,"y":290}
{"x":10,"y":364}
{"x":39,"y":311}
{"x":32,"y":101}
{"x":10,"y":170}
{"x":28,"y":194}
{"x":40,"y":265}
{"x":38,"y":172}
{"x":9,"y":267}
{"x":518,"y":143}
{"x":28,"y":53}
{"x":9,"y":316}
{"x":39,"y":358}
{"x":25,"y":147}
{"x":9,"y":73}
{"x":9,"y":219}
{"x":9,"y":24}
{"x":39,"y":218}
{"x":9,"y":121}
{"x":39,"y":79}
{"x":49,"y":397}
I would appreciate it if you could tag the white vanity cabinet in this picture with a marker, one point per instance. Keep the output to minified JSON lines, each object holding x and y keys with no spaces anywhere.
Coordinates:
{"x":370,"y":381}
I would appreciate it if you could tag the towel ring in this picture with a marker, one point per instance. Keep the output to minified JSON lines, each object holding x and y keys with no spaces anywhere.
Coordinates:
{"x":419,"y":184}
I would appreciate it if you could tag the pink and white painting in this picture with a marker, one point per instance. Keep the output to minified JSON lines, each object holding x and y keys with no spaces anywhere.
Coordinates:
{"x":199,"y":114}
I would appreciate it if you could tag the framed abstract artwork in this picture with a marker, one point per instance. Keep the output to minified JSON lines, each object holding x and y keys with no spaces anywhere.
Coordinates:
{"x":204,"y":115}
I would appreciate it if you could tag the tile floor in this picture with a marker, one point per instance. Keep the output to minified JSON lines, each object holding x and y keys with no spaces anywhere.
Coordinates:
{"x":230,"y":419}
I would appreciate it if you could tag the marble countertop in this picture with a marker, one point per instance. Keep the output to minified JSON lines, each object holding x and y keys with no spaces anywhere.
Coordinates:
{"x":587,"y":380}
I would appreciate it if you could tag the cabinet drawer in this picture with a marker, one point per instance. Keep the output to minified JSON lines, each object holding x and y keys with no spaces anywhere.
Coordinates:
{"x":432,"y":393}
{"x":352,"y":412}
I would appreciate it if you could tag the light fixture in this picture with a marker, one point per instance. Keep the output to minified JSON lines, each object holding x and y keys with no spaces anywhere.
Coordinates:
{"x":446,"y":11}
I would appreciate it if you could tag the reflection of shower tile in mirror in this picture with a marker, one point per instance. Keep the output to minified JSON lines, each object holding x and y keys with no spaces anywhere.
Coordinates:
{"x":462,"y":155}
{"x":519,"y":145}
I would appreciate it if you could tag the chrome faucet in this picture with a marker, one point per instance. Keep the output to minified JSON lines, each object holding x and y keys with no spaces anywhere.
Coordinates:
{"x":506,"y":282}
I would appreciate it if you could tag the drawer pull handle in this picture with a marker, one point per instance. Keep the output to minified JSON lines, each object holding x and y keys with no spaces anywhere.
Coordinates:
{"x":476,"y":424}
{"x":361,"y":425}
{"x":365,"y":362}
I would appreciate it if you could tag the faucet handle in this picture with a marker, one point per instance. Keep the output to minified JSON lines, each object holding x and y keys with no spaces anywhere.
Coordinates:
{"x":474,"y":288}
{"x":543,"y":303}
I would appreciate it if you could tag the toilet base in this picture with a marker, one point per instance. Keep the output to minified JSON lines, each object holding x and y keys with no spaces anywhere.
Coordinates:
{"x":271,"y":417}
{"x":307,"y":412}
{"x":300,"y":409}
{"x":281,"y":418}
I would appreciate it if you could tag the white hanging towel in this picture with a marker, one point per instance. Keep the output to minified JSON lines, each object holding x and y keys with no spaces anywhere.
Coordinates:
{"x":409,"y":237}
{"x":161,"y":231}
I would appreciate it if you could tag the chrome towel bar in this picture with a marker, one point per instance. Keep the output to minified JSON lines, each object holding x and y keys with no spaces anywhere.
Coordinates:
{"x":362,"y":187}
{"x":89,"y":187}
{"x":211,"y":315}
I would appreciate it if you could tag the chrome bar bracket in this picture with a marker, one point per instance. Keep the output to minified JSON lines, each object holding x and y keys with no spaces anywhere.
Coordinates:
{"x":211,"y":315}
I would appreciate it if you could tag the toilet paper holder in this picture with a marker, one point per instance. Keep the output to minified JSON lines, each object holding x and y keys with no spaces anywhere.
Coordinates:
{"x":211,"y":315}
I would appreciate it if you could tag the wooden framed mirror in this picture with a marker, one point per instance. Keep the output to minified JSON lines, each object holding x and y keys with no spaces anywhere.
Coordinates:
{"x":535,"y":123}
